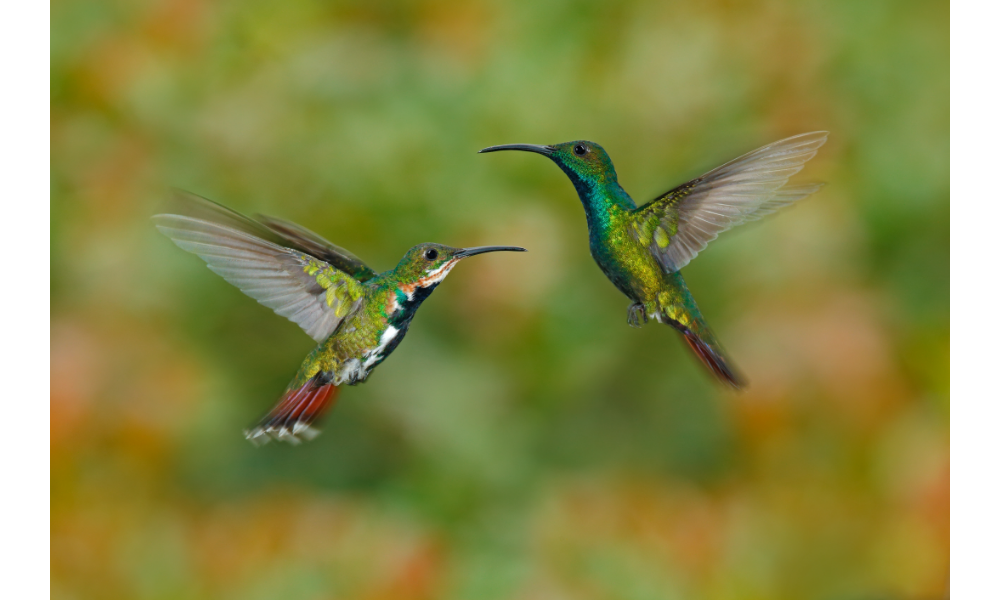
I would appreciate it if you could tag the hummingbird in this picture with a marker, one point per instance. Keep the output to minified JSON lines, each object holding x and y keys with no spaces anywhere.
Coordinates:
{"x":642,"y":249}
{"x":357,"y":316}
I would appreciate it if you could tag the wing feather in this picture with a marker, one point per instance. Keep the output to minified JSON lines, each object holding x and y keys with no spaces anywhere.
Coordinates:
{"x":679,"y":224}
{"x":318,"y":246}
{"x":296,"y":285}
{"x":277,"y":231}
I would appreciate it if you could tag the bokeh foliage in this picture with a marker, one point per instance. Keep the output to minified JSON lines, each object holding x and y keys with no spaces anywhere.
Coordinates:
{"x":523,"y":442}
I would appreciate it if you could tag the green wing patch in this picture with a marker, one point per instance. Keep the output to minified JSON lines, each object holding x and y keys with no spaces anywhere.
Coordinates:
{"x":656,"y":223}
{"x":342,"y":290}
{"x":677,"y":225}
{"x":284,"y":266}
{"x":300,"y":287}
{"x":298,"y":237}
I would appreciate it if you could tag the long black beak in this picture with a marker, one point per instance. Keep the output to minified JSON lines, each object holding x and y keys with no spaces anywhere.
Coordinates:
{"x":546,"y":150}
{"x":467,"y":252}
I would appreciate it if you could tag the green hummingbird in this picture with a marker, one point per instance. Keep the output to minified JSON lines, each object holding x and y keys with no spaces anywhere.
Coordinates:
{"x":357,"y":316}
{"x":642,"y":249}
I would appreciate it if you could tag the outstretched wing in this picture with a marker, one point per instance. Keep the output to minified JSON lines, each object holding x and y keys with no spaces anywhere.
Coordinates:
{"x":294,"y":284}
{"x":679,"y":224}
{"x":318,"y":246}
{"x":277,"y":231}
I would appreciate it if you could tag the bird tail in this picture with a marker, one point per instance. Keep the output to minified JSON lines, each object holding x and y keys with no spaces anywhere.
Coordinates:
{"x":711,"y":355}
{"x":677,"y":308}
{"x":295,"y":413}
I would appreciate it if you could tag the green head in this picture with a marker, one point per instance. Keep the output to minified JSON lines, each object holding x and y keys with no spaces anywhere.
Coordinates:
{"x":426,"y":265}
{"x":586,"y":163}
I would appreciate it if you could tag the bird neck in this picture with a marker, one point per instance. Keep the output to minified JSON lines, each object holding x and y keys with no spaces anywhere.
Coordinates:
{"x":599,"y":195}
{"x":409,"y":291}
{"x":409,"y":300}
{"x":404,"y":300}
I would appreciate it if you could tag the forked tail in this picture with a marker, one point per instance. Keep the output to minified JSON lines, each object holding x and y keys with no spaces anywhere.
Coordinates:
{"x":295,"y":413}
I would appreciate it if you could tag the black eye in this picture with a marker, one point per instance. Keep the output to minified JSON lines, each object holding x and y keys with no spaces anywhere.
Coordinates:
{"x":580,"y":149}
{"x":430,"y":254}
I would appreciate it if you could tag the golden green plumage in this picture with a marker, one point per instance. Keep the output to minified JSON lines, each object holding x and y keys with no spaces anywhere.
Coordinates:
{"x":642,"y":249}
{"x":358,"y":316}
{"x":342,"y":291}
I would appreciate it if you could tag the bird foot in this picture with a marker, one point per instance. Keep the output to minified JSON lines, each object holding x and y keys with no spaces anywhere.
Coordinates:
{"x":637,"y":315}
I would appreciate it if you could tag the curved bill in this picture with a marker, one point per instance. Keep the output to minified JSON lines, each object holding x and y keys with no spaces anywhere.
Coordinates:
{"x":467,"y":252}
{"x":525,"y":147}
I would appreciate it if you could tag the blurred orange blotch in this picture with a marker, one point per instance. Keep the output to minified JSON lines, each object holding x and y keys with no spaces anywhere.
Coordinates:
{"x":103,"y":71}
{"x":456,"y":29}
{"x":85,"y":540}
{"x":76,"y":373}
{"x":934,"y":507}
{"x":674,"y":528}
{"x":107,"y":68}
{"x":840,"y":349}
{"x":913,"y":474}
{"x":416,"y":575}
{"x":349,"y":548}
{"x":175,"y":24}
{"x":113,"y":181}
{"x":155,"y":407}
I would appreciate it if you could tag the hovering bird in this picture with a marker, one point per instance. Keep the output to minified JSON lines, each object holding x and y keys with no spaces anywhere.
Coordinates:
{"x":357,"y":316}
{"x":642,"y":249}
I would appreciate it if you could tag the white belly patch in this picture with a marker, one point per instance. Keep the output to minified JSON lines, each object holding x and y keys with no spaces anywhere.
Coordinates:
{"x":372,"y":357}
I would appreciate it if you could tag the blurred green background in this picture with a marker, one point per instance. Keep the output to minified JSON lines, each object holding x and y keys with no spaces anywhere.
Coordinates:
{"x":523,"y":442}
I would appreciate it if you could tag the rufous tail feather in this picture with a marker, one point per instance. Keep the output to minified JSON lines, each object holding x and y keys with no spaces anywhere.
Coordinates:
{"x":293,"y":416}
{"x":713,"y":358}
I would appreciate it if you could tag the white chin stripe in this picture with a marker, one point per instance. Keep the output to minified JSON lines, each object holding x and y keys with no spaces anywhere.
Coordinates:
{"x":430,"y":278}
{"x":438,"y":274}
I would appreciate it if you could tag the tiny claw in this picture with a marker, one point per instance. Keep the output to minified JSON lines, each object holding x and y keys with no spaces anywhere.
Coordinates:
{"x":636,"y":312}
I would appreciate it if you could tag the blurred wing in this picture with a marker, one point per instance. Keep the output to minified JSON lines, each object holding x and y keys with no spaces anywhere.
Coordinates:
{"x":276,"y":231}
{"x":196,"y":207}
{"x":680,"y":223}
{"x":316,"y":245}
{"x":294,"y":284}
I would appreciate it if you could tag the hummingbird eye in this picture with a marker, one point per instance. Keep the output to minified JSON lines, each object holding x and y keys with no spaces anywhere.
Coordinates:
{"x":580,"y":149}
{"x":430,"y":254}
